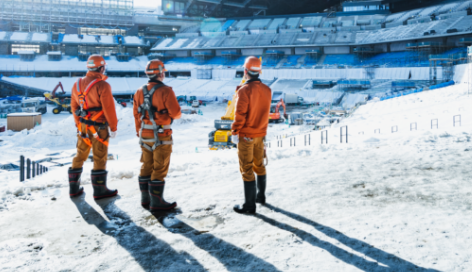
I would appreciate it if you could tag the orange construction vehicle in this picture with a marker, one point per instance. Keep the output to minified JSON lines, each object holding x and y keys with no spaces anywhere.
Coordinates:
{"x":274,"y":115}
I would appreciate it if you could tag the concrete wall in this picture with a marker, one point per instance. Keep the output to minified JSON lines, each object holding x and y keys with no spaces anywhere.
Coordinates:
{"x":5,"y":49}
{"x":398,"y":46}
{"x":132,"y":51}
{"x":71,"y":30}
{"x":71,"y":50}
{"x":180,"y":53}
{"x":302,"y":51}
{"x":251,"y":52}
{"x":381,"y":47}
{"x":287,"y":51}
{"x":337,"y":50}
{"x":193,"y":52}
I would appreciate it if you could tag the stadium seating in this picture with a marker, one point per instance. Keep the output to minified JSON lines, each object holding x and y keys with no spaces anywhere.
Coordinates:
{"x":259,"y":24}
{"x":310,"y":61}
{"x":227,"y":25}
{"x":210,"y":26}
{"x":311,"y":21}
{"x":215,"y":61}
{"x":266,"y":39}
{"x":303,"y":38}
{"x":341,"y":60}
{"x":291,"y":60}
{"x":313,"y":31}
{"x":398,"y":59}
{"x":247,"y":40}
{"x":189,"y":60}
{"x":241,"y":25}
{"x":284,"y":38}
{"x":293,"y":23}
{"x":239,"y":61}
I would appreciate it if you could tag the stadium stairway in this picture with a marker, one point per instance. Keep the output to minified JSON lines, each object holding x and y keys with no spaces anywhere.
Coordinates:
{"x":281,"y":62}
{"x":300,"y":61}
{"x":321,"y":60}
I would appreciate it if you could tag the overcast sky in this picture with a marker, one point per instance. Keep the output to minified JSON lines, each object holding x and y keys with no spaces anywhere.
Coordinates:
{"x":147,"y":3}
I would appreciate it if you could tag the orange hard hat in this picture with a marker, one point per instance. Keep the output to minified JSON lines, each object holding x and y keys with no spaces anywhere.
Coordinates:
{"x":253,"y":64}
{"x":155,"y":67}
{"x":95,"y":61}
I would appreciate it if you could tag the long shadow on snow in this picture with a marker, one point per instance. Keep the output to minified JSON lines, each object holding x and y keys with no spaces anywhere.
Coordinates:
{"x":231,"y":256}
{"x":393,"y":262}
{"x":149,"y":252}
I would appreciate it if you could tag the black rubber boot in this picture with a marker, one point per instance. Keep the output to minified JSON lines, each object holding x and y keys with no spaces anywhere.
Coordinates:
{"x":99,"y":183}
{"x":144,"y":187}
{"x":261,"y":187}
{"x":250,"y":194}
{"x":74,"y":182}
{"x":156,"y":192}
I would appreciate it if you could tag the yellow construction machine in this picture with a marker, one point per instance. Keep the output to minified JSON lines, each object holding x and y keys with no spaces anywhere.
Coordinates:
{"x":61,"y":106}
{"x":221,"y":137}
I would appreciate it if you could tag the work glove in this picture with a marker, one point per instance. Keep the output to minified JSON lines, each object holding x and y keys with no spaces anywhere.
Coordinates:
{"x":113,"y":134}
{"x":235,"y":139}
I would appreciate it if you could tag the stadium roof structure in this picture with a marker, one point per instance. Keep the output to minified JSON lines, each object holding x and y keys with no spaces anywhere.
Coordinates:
{"x":242,"y":8}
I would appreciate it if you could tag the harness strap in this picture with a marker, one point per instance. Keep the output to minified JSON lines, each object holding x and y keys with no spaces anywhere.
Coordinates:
{"x":82,"y":95}
{"x":85,"y":115}
{"x":162,"y":142}
{"x":92,"y":123}
{"x":147,"y":107}
{"x":152,"y":127}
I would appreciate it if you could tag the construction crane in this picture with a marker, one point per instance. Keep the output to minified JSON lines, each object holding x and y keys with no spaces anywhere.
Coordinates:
{"x":60,"y":103}
{"x":274,"y":115}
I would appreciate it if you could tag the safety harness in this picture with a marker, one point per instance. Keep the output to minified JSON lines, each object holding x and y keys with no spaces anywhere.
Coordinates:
{"x":151,"y":110}
{"x":86,"y":117}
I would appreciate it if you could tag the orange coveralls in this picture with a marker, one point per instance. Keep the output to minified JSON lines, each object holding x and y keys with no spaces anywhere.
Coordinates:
{"x":251,"y":120}
{"x":99,"y":96}
{"x":156,"y":164}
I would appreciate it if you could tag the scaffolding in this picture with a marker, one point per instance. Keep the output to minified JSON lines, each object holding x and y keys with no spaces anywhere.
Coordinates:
{"x":445,"y":61}
{"x":230,"y":56}
{"x":273,"y":57}
{"x":203,"y":56}
{"x":42,"y":15}
{"x":364,"y":53}
{"x":469,"y":70}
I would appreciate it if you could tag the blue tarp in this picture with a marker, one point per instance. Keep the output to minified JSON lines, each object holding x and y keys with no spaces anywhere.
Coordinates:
{"x":442,"y":85}
{"x":437,"y":86}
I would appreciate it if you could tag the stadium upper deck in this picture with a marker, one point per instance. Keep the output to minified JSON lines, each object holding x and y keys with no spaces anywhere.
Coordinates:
{"x":427,"y":24}
{"x":297,"y":41}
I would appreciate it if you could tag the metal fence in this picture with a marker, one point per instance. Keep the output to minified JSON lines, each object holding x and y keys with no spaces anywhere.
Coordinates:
{"x":32,"y":169}
{"x":306,"y":138}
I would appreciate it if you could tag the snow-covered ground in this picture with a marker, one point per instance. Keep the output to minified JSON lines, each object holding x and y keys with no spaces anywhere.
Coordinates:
{"x":383,"y":202}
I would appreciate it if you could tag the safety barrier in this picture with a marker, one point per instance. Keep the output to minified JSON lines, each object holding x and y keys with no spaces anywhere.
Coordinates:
{"x":437,"y":86}
{"x":401,"y":94}
{"x":343,"y":134}
{"x":442,"y":85}
{"x":456,"y":119}
{"x":32,"y":169}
